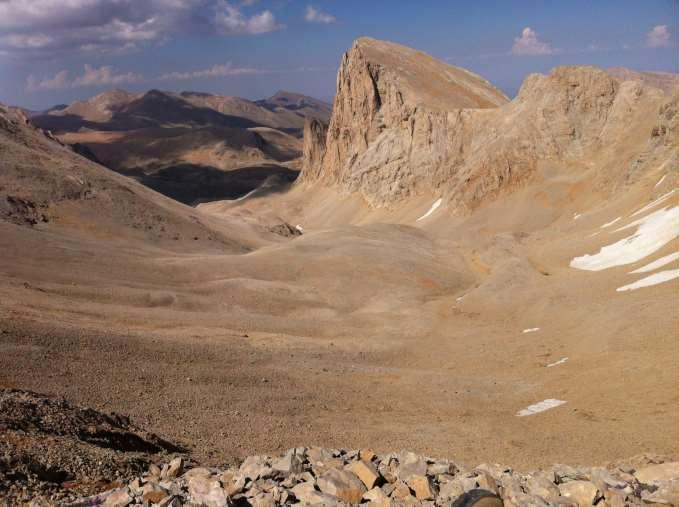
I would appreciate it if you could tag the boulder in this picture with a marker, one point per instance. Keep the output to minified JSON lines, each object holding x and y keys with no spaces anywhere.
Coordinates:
{"x":206,"y":491}
{"x":666,"y":494}
{"x":411,"y":464}
{"x":341,"y":484}
{"x":365,"y":471}
{"x":255,"y":467}
{"x":290,"y":463}
{"x":306,"y":492}
{"x":583,"y":493}
{"x":377,"y":497}
{"x":656,"y":473}
{"x":173,"y":469}
{"x":119,"y":498}
{"x":422,"y":487}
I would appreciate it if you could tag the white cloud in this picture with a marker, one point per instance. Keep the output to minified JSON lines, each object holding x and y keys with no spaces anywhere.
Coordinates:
{"x":230,"y":20}
{"x":658,"y":37}
{"x":314,"y":15}
{"x":214,"y":71}
{"x":91,"y":76}
{"x":529,"y":44}
{"x":87,"y":25}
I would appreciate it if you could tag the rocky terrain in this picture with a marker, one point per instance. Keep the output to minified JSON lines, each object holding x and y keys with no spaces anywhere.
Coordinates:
{"x":53,"y":449}
{"x":456,"y":274}
{"x":53,"y":452}
{"x":404,"y":125}
{"x":317,"y":476}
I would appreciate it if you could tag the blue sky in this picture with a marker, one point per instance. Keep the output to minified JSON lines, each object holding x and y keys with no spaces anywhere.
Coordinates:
{"x":57,"y":51}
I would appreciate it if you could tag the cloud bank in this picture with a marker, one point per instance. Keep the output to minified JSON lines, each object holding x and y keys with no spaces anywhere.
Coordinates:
{"x":44,"y":29}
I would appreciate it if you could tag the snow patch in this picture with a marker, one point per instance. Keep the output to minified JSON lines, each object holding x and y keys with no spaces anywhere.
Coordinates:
{"x":654,"y":203}
{"x":610,"y":223}
{"x":576,"y":216}
{"x":654,"y":279}
{"x":653,"y":232}
{"x":557,"y":363}
{"x":660,"y":182}
{"x":539,"y":407}
{"x":433,"y":208}
{"x":531,"y":330}
{"x":460,"y":298}
{"x":299,"y":228}
{"x":246,"y":195}
{"x":657,"y":263}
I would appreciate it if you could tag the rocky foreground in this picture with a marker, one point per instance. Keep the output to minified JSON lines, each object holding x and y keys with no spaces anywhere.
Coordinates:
{"x":55,"y":453}
{"x":317,"y":476}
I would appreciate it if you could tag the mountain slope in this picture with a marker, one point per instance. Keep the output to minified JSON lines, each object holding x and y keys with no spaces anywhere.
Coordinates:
{"x":45,"y":184}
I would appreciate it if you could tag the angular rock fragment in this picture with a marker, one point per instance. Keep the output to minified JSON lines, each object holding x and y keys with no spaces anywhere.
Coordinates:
{"x":364,"y":471}
{"x":583,"y":493}
{"x":342,"y":484}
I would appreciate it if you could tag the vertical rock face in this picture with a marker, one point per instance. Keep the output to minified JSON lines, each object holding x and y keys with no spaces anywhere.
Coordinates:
{"x":389,"y":99}
{"x":405,"y":124}
{"x":314,"y":147}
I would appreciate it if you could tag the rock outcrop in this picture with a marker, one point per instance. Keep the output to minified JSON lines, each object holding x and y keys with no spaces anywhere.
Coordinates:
{"x":314,"y":146}
{"x":331,"y":477}
{"x":404,"y":124}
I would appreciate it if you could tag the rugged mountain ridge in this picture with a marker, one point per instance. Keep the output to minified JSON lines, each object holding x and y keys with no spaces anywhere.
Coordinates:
{"x":122,"y":110}
{"x":396,"y":133}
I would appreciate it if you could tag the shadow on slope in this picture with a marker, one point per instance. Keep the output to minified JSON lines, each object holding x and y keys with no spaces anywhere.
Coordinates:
{"x":192,"y":184}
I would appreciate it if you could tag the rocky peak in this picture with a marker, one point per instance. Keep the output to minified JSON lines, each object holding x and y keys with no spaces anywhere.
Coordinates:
{"x":405,"y":124}
{"x":381,"y":87}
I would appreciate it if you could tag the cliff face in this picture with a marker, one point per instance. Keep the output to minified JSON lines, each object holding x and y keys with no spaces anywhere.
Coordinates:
{"x":314,"y":146}
{"x":405,"y":124}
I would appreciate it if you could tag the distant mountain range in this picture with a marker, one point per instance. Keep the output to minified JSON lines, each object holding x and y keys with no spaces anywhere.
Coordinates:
{"x":183,"y":144}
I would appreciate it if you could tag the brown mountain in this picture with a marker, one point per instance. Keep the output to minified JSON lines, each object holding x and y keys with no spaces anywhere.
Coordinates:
{"x":185,"y":144}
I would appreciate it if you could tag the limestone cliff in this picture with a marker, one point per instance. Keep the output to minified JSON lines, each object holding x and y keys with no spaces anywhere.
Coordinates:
{"x":314,"y":146}
{"x":404,"y":124}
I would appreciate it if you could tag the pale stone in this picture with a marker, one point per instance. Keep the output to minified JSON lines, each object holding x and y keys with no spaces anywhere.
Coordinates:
{"x":411,"y":464}
{"x":667,"y":493}
{"x":206,"y":491}
{"x":305,"y":492}
{"x":255,"y":467}
{"x":290,"y":463}
{"x":365,"y":471}
{"x":543,"y":487}
{"x":377,"y":497}
{"x":174,"y":469}
{"x":119,"y":498}
{"x":422,"y":486}
{"x":342,"y":484}
{"x":655,"y":473}
{"x":584,"y":493}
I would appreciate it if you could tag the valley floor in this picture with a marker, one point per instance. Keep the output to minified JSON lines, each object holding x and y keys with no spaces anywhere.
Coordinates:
{"x":384,"y":336}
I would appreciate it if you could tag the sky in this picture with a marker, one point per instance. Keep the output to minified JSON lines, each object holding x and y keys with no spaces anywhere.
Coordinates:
{"x":58,"y":51}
